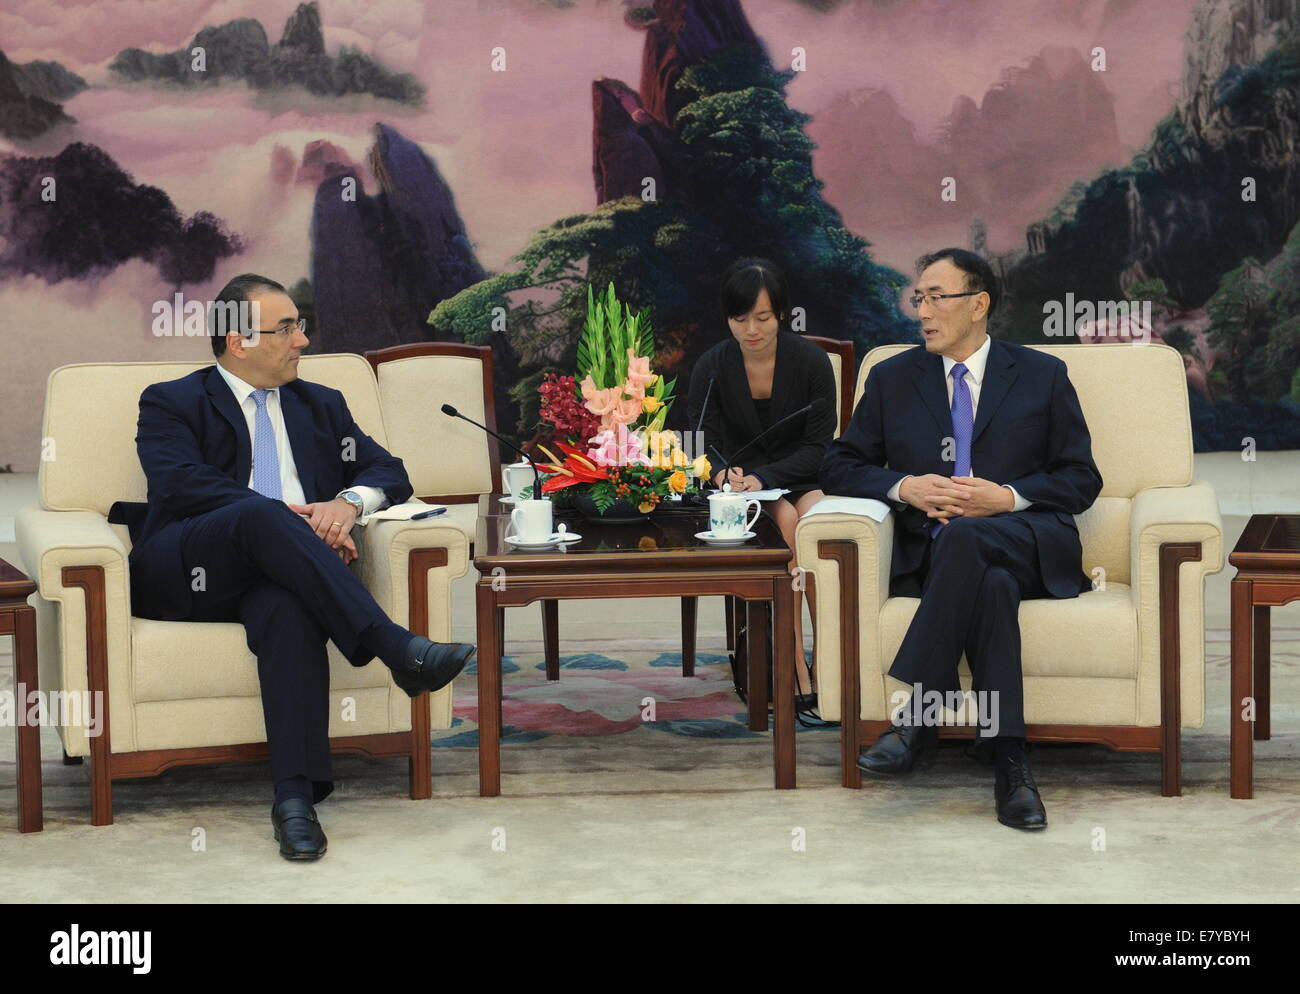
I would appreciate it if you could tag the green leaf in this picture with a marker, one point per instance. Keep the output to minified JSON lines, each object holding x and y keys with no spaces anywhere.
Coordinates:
{"x":603,"y":495}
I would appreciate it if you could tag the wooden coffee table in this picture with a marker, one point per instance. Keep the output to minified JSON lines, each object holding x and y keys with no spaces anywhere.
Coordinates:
{"x":659,"y":557}
{"x":1267,"y":558}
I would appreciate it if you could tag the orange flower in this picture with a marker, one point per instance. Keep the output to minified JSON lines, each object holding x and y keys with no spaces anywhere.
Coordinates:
{"x":677,"y":482}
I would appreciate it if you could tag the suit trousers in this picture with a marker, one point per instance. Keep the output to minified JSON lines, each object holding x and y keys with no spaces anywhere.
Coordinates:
{"x":976,"y":572}
{"x":259,"y":563}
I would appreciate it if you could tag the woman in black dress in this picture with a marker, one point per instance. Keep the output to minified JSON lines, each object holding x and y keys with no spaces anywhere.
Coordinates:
{"x":760,"y":373}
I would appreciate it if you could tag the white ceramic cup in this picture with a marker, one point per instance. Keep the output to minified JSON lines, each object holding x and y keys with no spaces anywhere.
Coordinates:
{"x":727,"y":514}
{"x":530,"y":521}
{"x":516,"y":476}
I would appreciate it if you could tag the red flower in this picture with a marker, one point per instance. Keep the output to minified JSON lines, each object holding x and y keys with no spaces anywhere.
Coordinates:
{"x":562,"y":408}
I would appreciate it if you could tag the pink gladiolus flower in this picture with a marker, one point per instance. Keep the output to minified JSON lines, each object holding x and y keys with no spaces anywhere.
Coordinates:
{"x":638,"y":374}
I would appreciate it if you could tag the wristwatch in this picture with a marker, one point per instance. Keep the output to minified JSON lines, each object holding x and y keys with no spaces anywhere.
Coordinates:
{"x":354,"y":498}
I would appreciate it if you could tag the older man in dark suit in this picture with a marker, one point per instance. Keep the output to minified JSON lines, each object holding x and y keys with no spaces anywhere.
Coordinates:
{"x":255,"y":481}
{"x":970,"y":546}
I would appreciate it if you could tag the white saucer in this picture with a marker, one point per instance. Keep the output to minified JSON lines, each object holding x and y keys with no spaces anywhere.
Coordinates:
{"x":556,"y":539}
{"x":711,"y":539}
{"x":507,"y":499}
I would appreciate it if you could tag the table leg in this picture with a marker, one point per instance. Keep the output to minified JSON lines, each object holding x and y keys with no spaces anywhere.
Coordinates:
{"x":783,"y":649}
{"x":31,"y":816}
{"x":756,"y":627}
{"x":489,"y":692}
{"x":1241,"y":749}
{"x":551,"y":637}
{"x":1263,"y":645}
{"x":501,"y":651}
{"x":689,"y":605}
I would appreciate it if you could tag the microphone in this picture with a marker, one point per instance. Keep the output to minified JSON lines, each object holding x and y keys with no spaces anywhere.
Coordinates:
{"x":450,"y":411}
{"x":817,"y":405}
{"x":705,"y":406}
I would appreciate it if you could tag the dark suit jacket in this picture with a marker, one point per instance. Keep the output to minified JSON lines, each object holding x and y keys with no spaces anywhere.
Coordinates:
{"x":1029,"y":433}
{"x":194,"y":446}
{"x":791,"y":455}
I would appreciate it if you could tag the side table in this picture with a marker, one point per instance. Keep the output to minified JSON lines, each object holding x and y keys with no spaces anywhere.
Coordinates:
{"x":18,"y":618}
{"x":1267,"y":558}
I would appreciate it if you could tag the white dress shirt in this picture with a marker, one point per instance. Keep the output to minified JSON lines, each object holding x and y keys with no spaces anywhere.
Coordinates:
{"x":974,"y":377}
{"x":372,"y":498}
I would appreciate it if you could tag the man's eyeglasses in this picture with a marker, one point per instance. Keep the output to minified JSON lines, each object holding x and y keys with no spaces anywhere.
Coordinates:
{"x":287,"y":329}
{"x":933,"y":298}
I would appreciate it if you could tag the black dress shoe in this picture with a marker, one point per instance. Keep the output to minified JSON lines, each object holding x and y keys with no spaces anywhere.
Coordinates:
{"x":431,"y":665}
{"x":805,"y":702}
{"x":899,"y":749}
{"x":297,"y":830}
{"x":1017,"y":798}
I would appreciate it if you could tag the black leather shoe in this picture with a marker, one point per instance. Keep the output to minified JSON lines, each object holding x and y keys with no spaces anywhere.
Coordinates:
{"x":1017,"y":798}
{"x":431,"y":665}
{"x":805,"y":702}
{"x":297,"y":830}
{"x":899,"y":749}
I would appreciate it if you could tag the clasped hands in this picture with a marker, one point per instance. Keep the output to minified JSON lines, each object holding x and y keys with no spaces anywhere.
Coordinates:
{"x":332,"y":520}
{"x":947,"y":497}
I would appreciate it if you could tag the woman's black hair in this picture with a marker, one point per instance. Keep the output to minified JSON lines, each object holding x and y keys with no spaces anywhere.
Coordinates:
{"x":742,"y":282}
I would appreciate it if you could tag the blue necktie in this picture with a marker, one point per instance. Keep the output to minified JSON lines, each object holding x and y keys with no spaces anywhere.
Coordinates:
{"x":963,"y":425}
{"x":266,"y":461}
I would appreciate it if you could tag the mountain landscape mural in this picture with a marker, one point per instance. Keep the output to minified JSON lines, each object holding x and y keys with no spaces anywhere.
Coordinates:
{"x":416,"y":171}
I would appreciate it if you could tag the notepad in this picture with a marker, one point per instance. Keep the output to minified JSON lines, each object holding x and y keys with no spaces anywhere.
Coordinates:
{"x":404,"y":512}
{"x":771,"y":494}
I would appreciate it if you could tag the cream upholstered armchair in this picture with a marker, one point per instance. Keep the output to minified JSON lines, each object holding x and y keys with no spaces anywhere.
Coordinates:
{"x":1124,"y":663}
{"x":449,"y":461}
{"x":178,"y":693}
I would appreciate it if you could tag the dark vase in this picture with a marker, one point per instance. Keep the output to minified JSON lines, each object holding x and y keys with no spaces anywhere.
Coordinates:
{"x":621,"y":512}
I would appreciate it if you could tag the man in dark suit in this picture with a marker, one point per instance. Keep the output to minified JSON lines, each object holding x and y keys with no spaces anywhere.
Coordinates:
{"x":970,"y":546}
{"x":255,"y":479}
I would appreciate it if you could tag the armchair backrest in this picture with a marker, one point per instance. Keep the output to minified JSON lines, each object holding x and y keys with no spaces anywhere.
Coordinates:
{"x":88,"y":434}
{"x":840,"y":354}
{"x":448,"y":460}
{"x":1134,"y":398}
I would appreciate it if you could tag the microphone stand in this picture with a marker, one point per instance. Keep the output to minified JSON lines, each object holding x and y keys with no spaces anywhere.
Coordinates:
{"x":450,"y":411}
{"x":770,"y":428}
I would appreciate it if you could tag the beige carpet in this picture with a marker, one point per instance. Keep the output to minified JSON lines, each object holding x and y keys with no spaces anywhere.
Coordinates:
{"x":647,"y":816}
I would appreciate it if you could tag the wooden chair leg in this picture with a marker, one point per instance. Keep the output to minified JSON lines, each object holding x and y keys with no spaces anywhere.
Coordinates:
{"x":420,"y":763}
{"x":551,"y":637}
{"x":101,"y":788}
{"x":689,"y":606}
{"x":1171,"y":770}
{"x":729,"y":608}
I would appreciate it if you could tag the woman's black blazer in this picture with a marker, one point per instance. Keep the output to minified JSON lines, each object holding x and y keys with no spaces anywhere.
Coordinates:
{"x":789,"y":457}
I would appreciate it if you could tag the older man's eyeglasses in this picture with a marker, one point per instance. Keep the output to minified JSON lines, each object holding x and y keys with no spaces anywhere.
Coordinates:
{"x":933,"y":298}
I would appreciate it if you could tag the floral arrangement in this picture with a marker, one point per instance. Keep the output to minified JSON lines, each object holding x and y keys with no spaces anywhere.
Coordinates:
{"x":608,"y":421}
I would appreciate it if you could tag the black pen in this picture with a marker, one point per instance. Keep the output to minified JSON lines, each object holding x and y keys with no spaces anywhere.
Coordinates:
{"x":427,"y":514}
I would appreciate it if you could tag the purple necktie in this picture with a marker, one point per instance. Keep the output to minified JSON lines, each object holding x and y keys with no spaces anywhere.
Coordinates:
{"x":963,"y":424}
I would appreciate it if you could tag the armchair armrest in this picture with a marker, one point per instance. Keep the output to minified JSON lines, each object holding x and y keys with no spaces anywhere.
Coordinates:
{"x":395,"y":560}
{"x":874,"y":542}
{"x":388,"y":562}
{"x":77,"y":560}
{"x":1180,"y":518}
